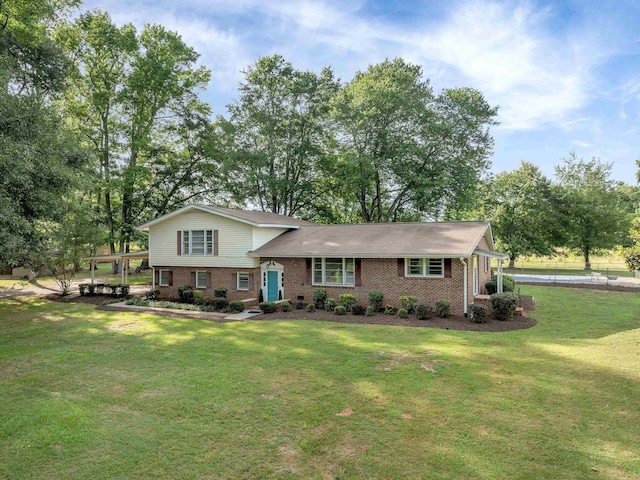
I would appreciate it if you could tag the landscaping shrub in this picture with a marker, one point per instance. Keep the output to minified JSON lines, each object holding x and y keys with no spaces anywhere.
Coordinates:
{"x":357,"y":309}
{"x":508,"y":284}
{"x":330,"y":304}
{"x":260,"y":297}
{"x":219,"y":303}
{"x":422,"y":311}
{"x":319,"y":297}
{"x":237,"y":306}
{"x":504,"y":305}
{"x":266,"y":307}
{"x":220,"y":292}
{"x":402,"y":313}
{"x":407,"y":302}
{"x":185,"y":293}
{"x":375,"y":300}
{"x":443,"y":308}
{"x":299,"y":305}
{"x":124,"y":291}
{"x":311,"y":307}
{"x":339,"y":310}
{"x":478,"y":313}
{"x":91,"y":289}
{"x":371,"y":311}
{"x":152,"y":294}
{"x":199,"y":298}
{"x":348,"y":300}
{"x":179,"y":306}
{"x":389,"y":310}
{"x":82,"y":287}
{"x":137,"y":301}
{"x":286,"y":306}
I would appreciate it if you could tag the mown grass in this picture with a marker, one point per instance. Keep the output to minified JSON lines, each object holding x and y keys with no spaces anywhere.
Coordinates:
{"x":95,"y":394}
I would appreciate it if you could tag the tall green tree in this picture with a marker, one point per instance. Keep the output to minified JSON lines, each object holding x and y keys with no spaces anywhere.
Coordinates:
{"x":405,"y":151}
{"x":590,"y":209}
{"x":520,"y":205}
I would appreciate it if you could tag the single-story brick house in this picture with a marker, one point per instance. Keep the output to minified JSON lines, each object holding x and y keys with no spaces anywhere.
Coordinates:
{"x":251,"y":252}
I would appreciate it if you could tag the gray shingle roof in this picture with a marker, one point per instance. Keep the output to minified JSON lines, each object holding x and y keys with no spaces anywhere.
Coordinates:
{"x":378,"y":240}
{"x":263,"y":218}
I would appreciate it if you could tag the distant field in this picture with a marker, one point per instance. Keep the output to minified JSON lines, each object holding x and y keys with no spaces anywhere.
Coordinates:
{"x":611,"y":264}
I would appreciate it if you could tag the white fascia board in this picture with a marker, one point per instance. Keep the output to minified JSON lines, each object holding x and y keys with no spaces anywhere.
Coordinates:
{"x":362,"y":255}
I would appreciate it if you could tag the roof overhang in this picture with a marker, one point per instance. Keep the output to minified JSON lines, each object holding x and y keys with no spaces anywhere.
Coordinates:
{"x":490,"y":254}
{"x":118,"y":256}
{"x":360,"y":255}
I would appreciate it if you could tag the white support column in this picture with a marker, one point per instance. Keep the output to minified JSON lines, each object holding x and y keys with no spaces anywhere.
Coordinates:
{"x":122,"y":270}
{"x":466,"y":287}
{"x":499,"y":275}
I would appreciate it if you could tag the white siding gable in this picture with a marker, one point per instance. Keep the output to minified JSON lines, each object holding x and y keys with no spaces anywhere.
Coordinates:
{"x":262,"y":235}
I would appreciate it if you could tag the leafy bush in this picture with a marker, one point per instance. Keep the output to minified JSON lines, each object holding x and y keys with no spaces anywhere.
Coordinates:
{"x":319,"y":297}
{"x":389,"y":310}
{"x":407,"y":302}
{"x":82,"y":287}
{"x":152,"y":294}
{"x":443,"y":307}
{"x":237,"y":306}
{"x":339,"y":310}
{"x":508,"y":284}
{"x":219,"y":303}
{"x":371,"y":311}
{"x":137,"y":301}
{"x":220,"y":292}
{"x":504,"y":305}
{"x":286,"y":306}
{"x":179,"y":306}
{"x":185,"y":293}
{"x":330,"y":304}
{"x":477,"y":313}
{"x":357,"y":309}
{"x":422,"y":310}
{"x":199,"y":298}
{"x":402,"y":313}
{"x":375,"y":300}
{"x":348,"y":300}
{"x":124,"y":289}
{"x":91,"y":289}
{"x":266,"y":307}
{"x":311,"y":307}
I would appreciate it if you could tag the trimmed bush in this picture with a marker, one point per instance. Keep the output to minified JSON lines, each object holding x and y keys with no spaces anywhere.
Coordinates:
{"x":124,"y":289}
{"x":407,"y":302}
{"x":199,"y":298}
{"x":477,"y":313}
{"x":311,"y":307}
{"x":357,"y":309}
{"x":443,"y":307}
{"x":330,"y":304}
{"x":237,"y":306}
{"x":371,"y":311}
{"x":152,"y":294}
{"x":402,"y":313}
{"x":220,"y":292}
{"x":339,"y":310}
{"x":504,"y":305}
{"x":389,"y":310}
{"x":266,"y":307}
{"x":137,"y":301}
{"x":508,"y":284}
{"x":286,"y":306}
{"x":185,"y":293}
{"x":319,"y":297}
{"x":260,"y":296}
{"x":82,"y":287}
{"x":91,"y":289}
{"x":375,"y":300}
{"x":348,"y":300}
{"x":422,"y":311}
{"x":219,"y":303}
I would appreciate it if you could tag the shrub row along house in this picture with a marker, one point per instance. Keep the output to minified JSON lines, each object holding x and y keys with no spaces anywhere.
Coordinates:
{"x":271,"y":257}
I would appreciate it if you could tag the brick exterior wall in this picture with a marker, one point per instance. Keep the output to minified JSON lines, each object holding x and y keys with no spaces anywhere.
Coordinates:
{"x":217,"y":277}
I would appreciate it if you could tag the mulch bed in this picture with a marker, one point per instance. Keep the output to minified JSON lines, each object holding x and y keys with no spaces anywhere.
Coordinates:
{"x":451,"y":323}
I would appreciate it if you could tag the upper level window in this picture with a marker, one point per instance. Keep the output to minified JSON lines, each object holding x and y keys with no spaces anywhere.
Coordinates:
{"x":424,"y":267}
{"x":333,"y":271}
{"x":197,"y":242}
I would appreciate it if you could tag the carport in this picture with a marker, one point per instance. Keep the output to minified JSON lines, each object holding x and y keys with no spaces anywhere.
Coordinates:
{"x":123,"y":258}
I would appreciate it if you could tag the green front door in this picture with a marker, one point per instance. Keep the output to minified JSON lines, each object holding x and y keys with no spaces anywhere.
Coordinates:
{"x":272,"y":286}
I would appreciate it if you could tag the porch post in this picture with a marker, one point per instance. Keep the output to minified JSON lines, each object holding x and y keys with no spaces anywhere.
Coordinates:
{"x":126,"y":271}
{"x":122,"y":270}
{"x":499,"y":275}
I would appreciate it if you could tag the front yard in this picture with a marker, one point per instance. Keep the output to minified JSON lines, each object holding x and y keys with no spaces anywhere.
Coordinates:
{"x":96,"y":394}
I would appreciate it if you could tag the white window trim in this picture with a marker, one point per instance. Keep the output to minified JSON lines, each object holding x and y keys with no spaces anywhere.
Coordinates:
{"x":205,"y":279}
{"x":324,"y":272}
{"x":424,"y":264}
{"x":238,"y":281}
{"x":190,"y":252}
{"x":160,"y":278}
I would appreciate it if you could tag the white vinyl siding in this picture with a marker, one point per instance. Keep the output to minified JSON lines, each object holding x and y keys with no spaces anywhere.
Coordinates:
{"x":262,"y":235}
{"x":424,"y":267}
{"x":235,"y":239}
{"x":243,"y":281}
{"x":334,"y":271}
{"x":164,"y":278}
{"x":201,"y":279}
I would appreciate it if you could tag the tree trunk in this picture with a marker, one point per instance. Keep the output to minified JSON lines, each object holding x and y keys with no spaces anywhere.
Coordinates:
{"x":512,"y":262}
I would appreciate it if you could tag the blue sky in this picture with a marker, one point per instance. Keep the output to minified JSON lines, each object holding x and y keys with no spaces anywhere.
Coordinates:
{"x":565,"y":74}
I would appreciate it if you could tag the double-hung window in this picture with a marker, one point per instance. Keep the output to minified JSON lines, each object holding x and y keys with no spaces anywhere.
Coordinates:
{"x":334,"y":271}
{"x":201,"y":279}
{"x":243,"y":281}
{"x":197,"y":242}
{"x":163,"y":278}
{"x":425,"y":267}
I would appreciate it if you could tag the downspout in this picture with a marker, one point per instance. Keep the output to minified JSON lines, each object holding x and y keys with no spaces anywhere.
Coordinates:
{"x":499,"y":275}
{"x":464,"y":276}
{"x":153,"y":278}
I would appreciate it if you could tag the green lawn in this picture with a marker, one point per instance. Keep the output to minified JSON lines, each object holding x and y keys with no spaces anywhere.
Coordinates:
{"x":94,"y":394}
